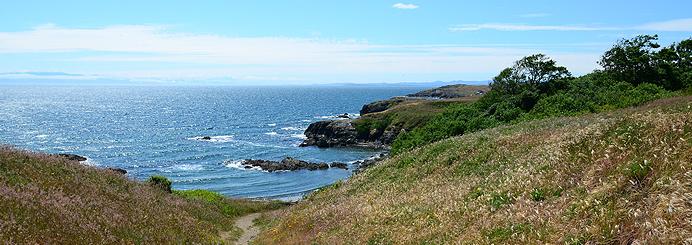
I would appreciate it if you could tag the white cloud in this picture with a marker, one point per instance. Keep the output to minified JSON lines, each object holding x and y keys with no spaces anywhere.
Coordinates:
{"x":678,"y":25}
{"x":156,"y":52}
{"x":671,"y":25}
{"x":523,"y":27}
{"x":404,"y":6}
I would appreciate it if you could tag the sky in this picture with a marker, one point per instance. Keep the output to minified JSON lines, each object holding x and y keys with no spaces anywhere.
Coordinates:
{"x":311,"y":42}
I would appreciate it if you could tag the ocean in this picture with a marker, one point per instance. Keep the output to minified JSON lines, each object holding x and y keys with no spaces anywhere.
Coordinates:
{"x":158,"y":130}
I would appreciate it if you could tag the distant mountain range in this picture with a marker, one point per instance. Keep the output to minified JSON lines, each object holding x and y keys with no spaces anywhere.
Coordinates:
{"x":80,"y":80}
{"x":410,"y":84}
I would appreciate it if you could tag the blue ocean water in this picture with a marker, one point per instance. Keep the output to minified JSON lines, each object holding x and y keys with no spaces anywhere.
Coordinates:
{"x":157,"y":130}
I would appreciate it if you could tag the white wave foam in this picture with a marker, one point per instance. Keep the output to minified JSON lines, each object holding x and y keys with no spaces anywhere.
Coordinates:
{"x":89,"y":162}
{"x":271,"y":133}
{"x":261,"y":145}
{"x":293,"y":129}
{"x":299,"y":136}
{"x":188,"y":167}
{"x":272,"y":125}
{"x":306,"y":120}
{"x":41,"y":136}
{"x":238,"y":164}
{"x":218,"y":139}
{"x":350,"y":115}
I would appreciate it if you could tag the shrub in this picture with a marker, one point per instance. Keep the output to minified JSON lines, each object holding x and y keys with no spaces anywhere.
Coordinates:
{"x":497,"y":200}
{"x":161,"y":182}
{"x":506,"y":111}
{"x":537,"y":194}
{"x":638,"y":171}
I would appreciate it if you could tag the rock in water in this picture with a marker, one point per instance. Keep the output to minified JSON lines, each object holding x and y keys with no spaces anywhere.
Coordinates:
{"x":287,"y":164}
{"x":338,"y":165}
{"x":73,"y":157}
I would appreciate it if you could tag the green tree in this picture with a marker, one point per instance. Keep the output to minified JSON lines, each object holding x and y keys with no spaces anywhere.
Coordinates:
{"x":529,"y":73}
{"x":161,"y":182}
{"x":632,"y":60}
{"x":524,"y":82}
{"x":674,"y":65}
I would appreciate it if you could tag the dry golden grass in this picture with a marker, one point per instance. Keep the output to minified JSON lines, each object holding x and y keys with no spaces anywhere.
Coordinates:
{"x":50,"y":200}
{"x":617,"y":177}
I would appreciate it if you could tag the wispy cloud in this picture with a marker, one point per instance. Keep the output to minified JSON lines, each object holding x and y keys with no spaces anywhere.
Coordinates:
{"x":523,"y":27}
{"x":41,"y":73}
{"x":671,"y":25}
{"x":142,"y":51}
{"x":404,"y":6}
{"x":678,"y":25}
{"x":534,"y":15}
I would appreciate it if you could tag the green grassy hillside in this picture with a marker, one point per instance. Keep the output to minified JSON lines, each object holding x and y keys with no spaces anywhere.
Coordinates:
{"x":405,"y":116}
{"x":49,"y":199}
{"x":611,"y":177}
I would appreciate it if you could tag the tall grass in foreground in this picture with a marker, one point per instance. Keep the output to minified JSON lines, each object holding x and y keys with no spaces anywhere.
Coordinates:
{"x":616,"y":177}
{"x":48,"y":199}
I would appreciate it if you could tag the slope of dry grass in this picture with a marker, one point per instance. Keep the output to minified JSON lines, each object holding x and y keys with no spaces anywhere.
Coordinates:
{"x":51,"y":200}
{"x":618,"y":177}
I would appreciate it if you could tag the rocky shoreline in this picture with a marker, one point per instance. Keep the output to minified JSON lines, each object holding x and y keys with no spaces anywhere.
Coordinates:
{"x":340,"y":133}
{"x":290,"y":164}
{"x":343,"y":133}
{"x":78,"y":158}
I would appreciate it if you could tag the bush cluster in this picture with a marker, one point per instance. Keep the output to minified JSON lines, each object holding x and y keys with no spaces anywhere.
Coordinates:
{"x":635,"y":71}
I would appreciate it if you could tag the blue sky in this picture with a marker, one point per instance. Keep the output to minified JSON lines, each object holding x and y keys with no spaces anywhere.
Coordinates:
{"x":278,"y":42}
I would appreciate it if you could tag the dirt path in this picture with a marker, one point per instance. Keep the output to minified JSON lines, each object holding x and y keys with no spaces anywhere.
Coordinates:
{"x":245,"y":223}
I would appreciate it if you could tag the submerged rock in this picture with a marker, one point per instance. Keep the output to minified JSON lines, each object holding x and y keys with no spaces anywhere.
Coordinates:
{"x":73,"y":157}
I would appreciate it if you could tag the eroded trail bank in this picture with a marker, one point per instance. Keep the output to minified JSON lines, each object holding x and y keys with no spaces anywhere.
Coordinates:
{"x":250,"y":231}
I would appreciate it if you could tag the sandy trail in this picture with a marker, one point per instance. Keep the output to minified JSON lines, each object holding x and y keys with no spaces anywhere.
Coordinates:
{"x":245,"y":223}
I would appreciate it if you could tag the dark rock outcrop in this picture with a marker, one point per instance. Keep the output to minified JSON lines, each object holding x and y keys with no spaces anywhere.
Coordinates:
{"x":331,"y":133}
{"x":338,"y":165}
{"x":118,"y":170}
{"x":287,"y":164}
{"x":73,"y":157}
{"x":342,"y":133}
{"x":363,"y":164}
{"x":206,"y":138}
{"x":381,"y":105}
{"x":345,"y":115}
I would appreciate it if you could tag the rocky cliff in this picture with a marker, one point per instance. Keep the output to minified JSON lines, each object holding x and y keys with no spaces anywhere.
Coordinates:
{"x":340,"y":133}
{"x":382,"y":121}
